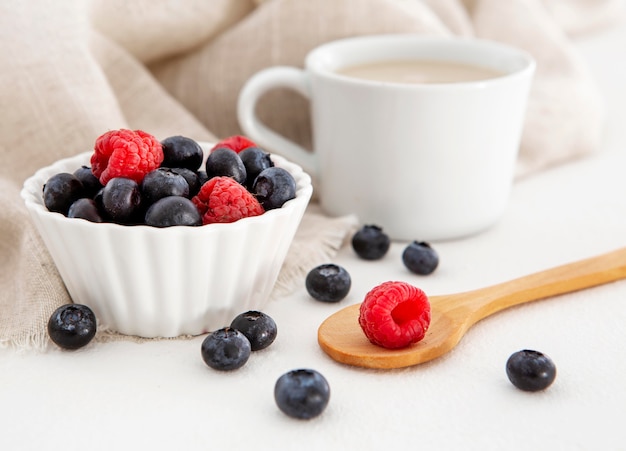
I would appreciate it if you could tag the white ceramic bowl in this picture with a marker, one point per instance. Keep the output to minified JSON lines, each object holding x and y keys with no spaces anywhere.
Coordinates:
{"x":166,"y":282}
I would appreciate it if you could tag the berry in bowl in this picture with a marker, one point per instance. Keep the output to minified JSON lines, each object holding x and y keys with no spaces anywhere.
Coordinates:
{"x":172,"y":237}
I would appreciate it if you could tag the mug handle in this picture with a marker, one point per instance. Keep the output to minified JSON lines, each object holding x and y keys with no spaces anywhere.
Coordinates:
{"x":253,"y":89}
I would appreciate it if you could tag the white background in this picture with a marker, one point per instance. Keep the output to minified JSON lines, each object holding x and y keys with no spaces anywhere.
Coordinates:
{"x":160,"y":395}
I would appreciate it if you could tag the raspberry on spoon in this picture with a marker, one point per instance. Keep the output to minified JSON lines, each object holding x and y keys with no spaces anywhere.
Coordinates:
{"x":395,"y":315}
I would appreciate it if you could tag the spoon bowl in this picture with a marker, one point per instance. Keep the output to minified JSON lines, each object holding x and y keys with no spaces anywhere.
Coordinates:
{"x":341,"y":337}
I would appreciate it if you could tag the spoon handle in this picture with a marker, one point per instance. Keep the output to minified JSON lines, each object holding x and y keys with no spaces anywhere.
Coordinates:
{"x":562,"y":279}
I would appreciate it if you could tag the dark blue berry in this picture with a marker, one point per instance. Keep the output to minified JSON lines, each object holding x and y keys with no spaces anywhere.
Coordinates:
{"x":530,"y":370}
{"x":192,"y":178}
{"x":202,"y":177}
{"x":121,"y":199}
{"x":370,"y":242}
{"x":85,"y":209}
{"x":98,"y":199}
{"x":259,"y":328}
{"x":420,"y":258}
{"x":163,"y":182}
{"x":226,"y":162}
{"x":302,"y":393}
{"x":225,"y":349}
{"x":61,"y":191}
{"x":181,"y":152}
{"x":328,"y":283}
{"x":255,"y":160}
{"x":173,"y":211}
{"x":72,"y":326}
{"x":91,"y":184}
{"x":273,"y":187}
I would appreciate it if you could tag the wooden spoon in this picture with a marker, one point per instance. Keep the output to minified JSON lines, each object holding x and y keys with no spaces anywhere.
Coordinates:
{"x":341,"y":337}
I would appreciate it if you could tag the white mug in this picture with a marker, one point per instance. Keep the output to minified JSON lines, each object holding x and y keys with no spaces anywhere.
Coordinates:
{"x":425,"y":162}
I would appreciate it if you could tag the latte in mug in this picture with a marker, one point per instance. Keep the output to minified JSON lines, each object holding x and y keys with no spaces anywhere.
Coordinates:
{"x":426,"y":161}
{"x":419,"y":71}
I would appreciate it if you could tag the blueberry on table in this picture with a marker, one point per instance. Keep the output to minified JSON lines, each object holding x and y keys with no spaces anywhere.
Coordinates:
{"x":302,"y":393}
{"x":328,"y":282}
{"x":72,"y":326}
{"x":530,"y":370}
{"x":181,"y":152}
{"x":420,"y":258}
{"x":273,"y":187}
{"x":173,"y":211}
{"x":61,"y":191}
{"x":226,"y":162}
{"x":225,"y":349}
{"x":370,"y":242}
{"x":259,"y":328}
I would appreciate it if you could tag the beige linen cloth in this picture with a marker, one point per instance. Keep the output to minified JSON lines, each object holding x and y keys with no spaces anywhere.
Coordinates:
{"x":73,"y":69}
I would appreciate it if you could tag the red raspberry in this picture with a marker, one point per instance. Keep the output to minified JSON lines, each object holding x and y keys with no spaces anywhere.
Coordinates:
{"x":236,"y":143}
{"x":222,"y":199}
{"x":125,"y":153}
{"x":394,"y":315}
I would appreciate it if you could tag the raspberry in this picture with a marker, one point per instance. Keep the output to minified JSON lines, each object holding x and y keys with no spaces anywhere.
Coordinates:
{"x":222,"y":199}
{"x":236,"y":143}
{"x":125,"y":153}
{"x":394,"y":315}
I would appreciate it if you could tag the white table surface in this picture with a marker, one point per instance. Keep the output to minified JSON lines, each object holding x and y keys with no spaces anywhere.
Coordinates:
{"x":160,"y":395}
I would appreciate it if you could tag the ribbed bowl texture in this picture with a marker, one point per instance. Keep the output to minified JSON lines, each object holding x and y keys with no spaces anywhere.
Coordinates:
{"x":167,"y":282}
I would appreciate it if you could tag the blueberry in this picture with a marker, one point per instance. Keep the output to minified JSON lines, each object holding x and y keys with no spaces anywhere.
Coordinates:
{"x":60,"y":191}
{"x":328,"y":283}
{"x":226,"y":162}
{"x":273,"y":187}
{"x":98,"y":199}
{"x":420,"y":258}
{"x":192,"y":178}
{"x":202,"y":177}
{"x":258,"y":327}
{"x":90,"y":182}
{"x":302,"y":393}
{"x":530,"y":370}
{"x":255,"y":160}
{"x":181,"y":152}
{"x":121,"y":199}
{"x":173,"y":211}
{"x":370,"y":242}
{"x":163,"y":182}
{"x":225,"y":349}
{"x":72,"y":326}
{"x":85,"y":208}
